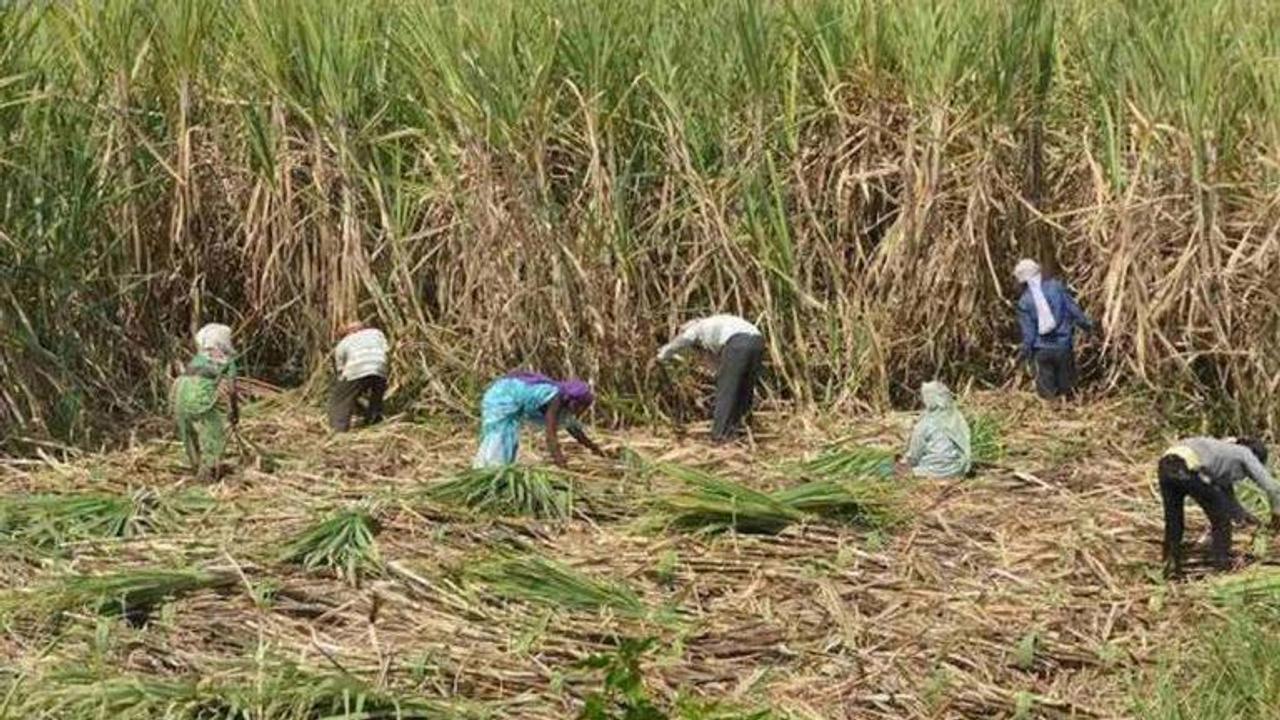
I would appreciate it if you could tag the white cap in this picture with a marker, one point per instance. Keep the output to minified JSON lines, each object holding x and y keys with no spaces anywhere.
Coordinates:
{"x":1026,"y":269}
{"x":215,"y":338}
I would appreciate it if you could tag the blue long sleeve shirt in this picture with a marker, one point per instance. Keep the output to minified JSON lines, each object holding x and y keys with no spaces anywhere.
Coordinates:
{"x":1065,"y":310}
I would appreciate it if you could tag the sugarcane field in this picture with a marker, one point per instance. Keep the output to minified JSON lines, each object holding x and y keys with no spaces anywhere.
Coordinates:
{"x":335,"y":574}
{"x":639,"y":360}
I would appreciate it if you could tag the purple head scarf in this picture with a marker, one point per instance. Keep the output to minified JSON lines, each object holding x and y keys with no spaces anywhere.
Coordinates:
{"x":573,"y":390}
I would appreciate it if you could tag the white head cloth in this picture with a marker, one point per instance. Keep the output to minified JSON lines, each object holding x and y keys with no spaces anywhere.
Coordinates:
{"x":1028,"y":271}
{"x":215,"y":340}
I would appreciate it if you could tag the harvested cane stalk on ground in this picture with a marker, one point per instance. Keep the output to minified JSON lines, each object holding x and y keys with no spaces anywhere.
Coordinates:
{"x":818,"y":616}
{"x":269,"y":688}
{"x":708,"y":502}
{"x":539,"y":580}
{"x":51,"y":520}
{"x":343,"y":542}
{"x":126,"y":592}
{"x":509,"y":490}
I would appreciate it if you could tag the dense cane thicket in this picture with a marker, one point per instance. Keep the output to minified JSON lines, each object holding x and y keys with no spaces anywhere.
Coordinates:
{"x":558,"y":183}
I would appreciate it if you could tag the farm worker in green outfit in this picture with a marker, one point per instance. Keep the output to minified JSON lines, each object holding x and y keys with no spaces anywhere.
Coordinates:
{"x":940,"y":443}
{"x":196,"y":403}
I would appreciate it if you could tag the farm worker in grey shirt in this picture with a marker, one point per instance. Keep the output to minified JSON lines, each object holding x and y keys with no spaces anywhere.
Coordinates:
{"x":361,"y":362}
{"x":740,"y":347}
{"x":1208,"y":469}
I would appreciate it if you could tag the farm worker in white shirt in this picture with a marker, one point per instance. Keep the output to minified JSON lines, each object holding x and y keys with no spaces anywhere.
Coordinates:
{"x":740,"y":348}
{"x":361,"y":362}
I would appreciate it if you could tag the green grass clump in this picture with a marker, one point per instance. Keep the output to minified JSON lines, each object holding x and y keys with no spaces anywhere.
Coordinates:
{"x":1255,"y":587}
{"x":986,"y":439}
{"x":841,"y":463}
{"x":50,"y":521}
{"x":869,"y":501}
{"x":126,"y":592}
{"x":539,"y":580}
{"x":625,"y":693}
{"x":1231,"y":672}
{"x":711,"y":503}
{"x":343,"y":542}
{"x":509,"y":490}
{"x":270,"y":691}
{"x":80,"y":694}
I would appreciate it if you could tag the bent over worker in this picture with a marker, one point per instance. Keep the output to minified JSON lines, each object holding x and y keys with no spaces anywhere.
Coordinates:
{"x":197,"y":406}
{"x":1207,"y":469}
{"x":521,"y":397}
{"x":740,"y":347}
{"x":361,"y":361}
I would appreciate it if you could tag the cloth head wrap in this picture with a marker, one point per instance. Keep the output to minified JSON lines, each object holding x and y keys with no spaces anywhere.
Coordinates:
{"x":936,"y":396}
{"x":214,"y":339}
{"x":1028,"y":271}
{"x":941,"y":418}
{"x":573,"y":390}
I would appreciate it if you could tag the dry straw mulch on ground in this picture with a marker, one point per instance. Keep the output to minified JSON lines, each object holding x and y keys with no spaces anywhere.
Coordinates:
{"x":1031,"y":586}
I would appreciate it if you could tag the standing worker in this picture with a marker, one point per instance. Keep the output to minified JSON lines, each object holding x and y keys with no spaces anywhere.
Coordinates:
{"x":1207,"y":469}
{"x":522,"y":396}
{"x":361,"y":361}
{"x":741,"y":352}
{"x":196,"y":400}
{"x":1048,"y":316}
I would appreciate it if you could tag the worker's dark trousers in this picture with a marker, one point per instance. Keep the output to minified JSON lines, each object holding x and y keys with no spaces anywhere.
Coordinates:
{"x":1177,"y":481}
{"x":345,"y":395}
{"x":1055,"y":372}
{"x":740,"y":361}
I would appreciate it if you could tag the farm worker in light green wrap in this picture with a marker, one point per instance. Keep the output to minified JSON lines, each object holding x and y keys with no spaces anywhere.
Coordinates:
{"x":196,"y":403}
{"x":940,"y":443}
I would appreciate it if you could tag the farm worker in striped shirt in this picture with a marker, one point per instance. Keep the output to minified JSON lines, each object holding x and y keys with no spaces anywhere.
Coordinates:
{"x":361,"y":362}
{"x":197,"y":405}
{"x":529,"y":397}
{"x":1207,"y":469}
{"x":740,"y":350}
{"x":1047,"y":317}
{"x":939,"y":446}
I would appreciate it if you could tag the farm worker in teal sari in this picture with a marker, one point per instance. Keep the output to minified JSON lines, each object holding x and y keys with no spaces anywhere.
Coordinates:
{"x":523,"y":396}
{"x":197,"y":400}
{"x":940,"y":443}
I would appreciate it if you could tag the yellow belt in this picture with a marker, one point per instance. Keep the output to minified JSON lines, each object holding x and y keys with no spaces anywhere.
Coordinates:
{"x":1187,"y":454}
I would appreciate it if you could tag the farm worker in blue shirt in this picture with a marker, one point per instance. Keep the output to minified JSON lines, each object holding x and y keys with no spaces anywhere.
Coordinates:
{"x":1048,"y":316}
{"x":522,"y":396}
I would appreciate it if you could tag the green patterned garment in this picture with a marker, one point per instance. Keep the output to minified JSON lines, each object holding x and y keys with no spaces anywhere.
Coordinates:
{"x":196,"y":392}
{"x":201,"y":422}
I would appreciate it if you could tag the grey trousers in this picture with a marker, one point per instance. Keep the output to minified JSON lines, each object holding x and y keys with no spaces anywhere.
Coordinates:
{"x":345,"y":396}
{"x":740,"y":362}
{"x":1055,"y":372}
